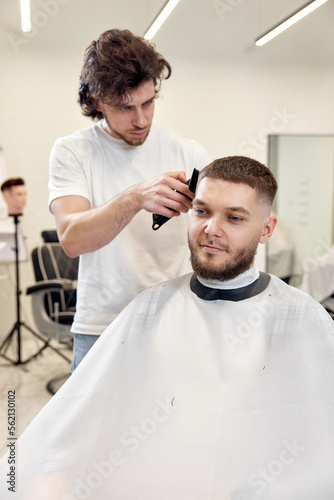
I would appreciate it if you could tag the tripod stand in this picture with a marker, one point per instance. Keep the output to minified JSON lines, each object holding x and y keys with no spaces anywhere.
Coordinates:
{"x":15,"y":335}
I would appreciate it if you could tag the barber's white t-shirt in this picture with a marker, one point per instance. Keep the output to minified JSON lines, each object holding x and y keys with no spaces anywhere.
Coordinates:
{"x":92,"y":164}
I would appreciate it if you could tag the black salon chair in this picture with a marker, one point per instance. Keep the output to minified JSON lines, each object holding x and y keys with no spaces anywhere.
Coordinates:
{"x":54,"y":296}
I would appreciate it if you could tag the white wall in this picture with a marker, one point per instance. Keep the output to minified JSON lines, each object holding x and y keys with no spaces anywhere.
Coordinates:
{"x":229,"y":106}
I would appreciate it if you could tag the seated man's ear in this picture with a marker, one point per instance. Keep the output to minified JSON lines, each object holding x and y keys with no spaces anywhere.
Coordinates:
{"x":268,"y":229}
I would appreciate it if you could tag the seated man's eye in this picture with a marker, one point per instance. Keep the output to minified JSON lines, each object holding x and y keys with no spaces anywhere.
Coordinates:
{"x":199,"y":211}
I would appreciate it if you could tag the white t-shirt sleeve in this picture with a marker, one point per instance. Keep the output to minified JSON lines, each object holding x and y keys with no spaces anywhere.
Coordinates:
{"x":67,"y":173}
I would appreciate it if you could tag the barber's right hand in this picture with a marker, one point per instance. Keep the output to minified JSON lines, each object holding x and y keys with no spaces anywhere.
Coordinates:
{"x":166,"y":194}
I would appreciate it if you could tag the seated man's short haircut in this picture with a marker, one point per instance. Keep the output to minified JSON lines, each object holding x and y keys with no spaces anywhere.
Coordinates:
{"x":240,"y":169}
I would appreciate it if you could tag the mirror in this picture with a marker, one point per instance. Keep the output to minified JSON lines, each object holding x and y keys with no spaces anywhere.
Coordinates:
{"x":304,"y":168}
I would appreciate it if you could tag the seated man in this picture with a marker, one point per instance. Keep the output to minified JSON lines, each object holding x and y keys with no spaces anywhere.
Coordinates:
{"x":216,"y":385}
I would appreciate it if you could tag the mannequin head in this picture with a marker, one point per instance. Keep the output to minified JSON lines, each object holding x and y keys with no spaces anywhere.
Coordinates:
{"x":15,"y":194}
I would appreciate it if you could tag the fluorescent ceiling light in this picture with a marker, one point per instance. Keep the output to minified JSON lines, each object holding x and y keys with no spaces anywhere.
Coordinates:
{"x":25,"y":15}
{"x":286,"y":23}
{"x":167,"y":9}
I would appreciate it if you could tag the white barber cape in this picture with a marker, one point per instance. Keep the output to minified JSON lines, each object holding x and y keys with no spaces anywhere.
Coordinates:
{"x":193,"y":393}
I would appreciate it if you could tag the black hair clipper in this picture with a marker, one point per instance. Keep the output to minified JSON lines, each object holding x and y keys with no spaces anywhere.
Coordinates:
{"x":159,"y":220}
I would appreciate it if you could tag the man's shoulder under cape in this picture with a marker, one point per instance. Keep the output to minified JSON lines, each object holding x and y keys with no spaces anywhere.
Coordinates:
{"x":183,"y":398}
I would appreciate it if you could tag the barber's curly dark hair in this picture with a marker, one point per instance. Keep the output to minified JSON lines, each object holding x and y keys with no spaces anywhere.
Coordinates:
{"x":114,"y":64}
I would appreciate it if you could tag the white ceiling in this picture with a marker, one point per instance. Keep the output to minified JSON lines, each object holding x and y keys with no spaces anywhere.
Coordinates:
{"x":197,"y":29}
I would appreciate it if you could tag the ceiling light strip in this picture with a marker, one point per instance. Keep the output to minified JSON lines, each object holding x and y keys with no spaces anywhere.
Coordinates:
{"x":294,"y":18}
{"x":167,"y":9}
{"x":25,"y":15}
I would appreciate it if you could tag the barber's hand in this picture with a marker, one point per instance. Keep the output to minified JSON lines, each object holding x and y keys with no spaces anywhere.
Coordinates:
{"x":166,"y":194}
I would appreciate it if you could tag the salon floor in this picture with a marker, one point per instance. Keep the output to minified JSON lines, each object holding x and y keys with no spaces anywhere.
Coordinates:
{"x":24,"y":387}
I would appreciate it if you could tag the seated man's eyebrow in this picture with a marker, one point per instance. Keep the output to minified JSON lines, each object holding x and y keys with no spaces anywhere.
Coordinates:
{"x":198,"y":201}
{"x":238,"y":209}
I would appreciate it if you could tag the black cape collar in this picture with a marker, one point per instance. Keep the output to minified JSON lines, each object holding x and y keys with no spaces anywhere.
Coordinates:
{"x":233,"y":294}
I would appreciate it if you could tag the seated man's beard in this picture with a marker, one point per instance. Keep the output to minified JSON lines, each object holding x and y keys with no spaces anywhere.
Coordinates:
{"x":240,"y":262}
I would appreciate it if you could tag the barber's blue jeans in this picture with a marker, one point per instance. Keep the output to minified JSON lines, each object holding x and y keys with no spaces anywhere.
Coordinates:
{"x":81,"y":345}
